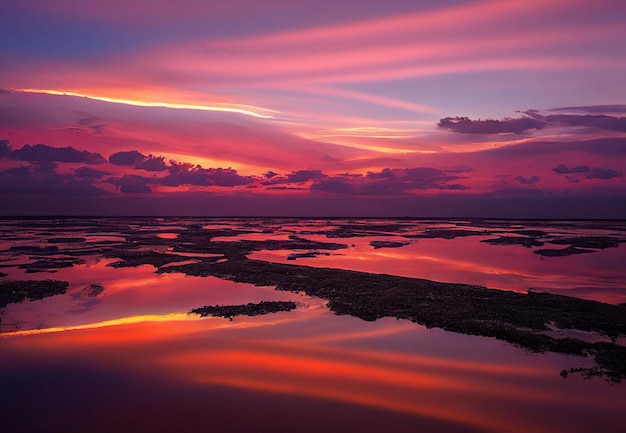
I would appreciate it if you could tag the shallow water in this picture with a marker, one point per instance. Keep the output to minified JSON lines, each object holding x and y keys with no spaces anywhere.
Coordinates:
{"x":118,"y":351}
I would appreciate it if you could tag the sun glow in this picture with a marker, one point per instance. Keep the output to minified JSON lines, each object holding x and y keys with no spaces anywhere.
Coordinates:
{"x":231,"y":108}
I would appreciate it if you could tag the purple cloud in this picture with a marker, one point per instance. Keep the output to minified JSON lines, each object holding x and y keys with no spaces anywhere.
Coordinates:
{"x":286,"y":188}
{"x":526,"y":181}
{"x":188,"y":174}
{"x":389,"y":181}
{"x":41,"y":179}
{"x":609,"y":123}
{"x":533,"y":119}
{"x":601,"y":173}
{"x":44,"y":166}
{"x":300,"y":176}
{"x":153,"y":163}
{"x":88,"y":172}
{"x":270,"y":174}
{"x":574,"y":174}
{"x":562,"y":169}
{"x":129,"y":158}
{"x":43,"y":152}
{"x":138,"y":160}
{"x":5,"y":149}
{"x":465,"y":125}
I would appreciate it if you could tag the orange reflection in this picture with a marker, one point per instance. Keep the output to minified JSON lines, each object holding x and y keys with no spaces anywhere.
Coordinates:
{"x":468,"y":260}
{"x":313,"y":354}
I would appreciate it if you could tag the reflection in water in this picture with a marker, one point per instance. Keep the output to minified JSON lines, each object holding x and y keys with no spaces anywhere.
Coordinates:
{"x":128,"y":293}
{"x":395,"y":366}
{"x":598,"y":276}
{"x":118,"y":351}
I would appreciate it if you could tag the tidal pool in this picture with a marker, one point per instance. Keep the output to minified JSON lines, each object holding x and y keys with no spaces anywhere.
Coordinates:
{"x":118,"y":350}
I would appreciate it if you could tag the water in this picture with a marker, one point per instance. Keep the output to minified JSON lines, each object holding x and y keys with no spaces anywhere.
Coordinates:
{"x":119,"y":351}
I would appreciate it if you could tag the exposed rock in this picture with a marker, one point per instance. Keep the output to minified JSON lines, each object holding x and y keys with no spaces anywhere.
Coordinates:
{"x":12,"y":292}
{"x":46,"y":264}
{"x":309,"y":254}
{"x":387,"y":244}
{"x":447,"y":233}
{"x":514,"y":240}
{"x":571,"y":250}
{"x":34,"y":249}
{"x":230,"y":311}
{"x":599,"y":242}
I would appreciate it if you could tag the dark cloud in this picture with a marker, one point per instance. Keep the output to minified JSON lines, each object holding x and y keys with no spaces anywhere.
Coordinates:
{"x":533,"y":119}
{"x":609,"y":123}
{"x":510,"y":181}
{"x":41,"y":179}
{"x":601,"y":173}
{"x":130,"y":158}
{"x":136,"y":159}
{"x":576,"y":173}
{"x":563,"y":169}
{"x":131,"y":183}
{"x":188,"y":174}
{"x":526,"y":181}
{"x":44,"y":166}
{"x":43,"y":152}
{"x":465,"y":125}
{"x":338,"y":184}
{"x":226,"y":177}
{"x":5,"y":149}
{"x":300,"y":176}
{"x":17,"y":172}
{"x":386,"y":173}
{"x":152,"y":163}
{"x":390,"y":181}
{"x":286,"y":188}
{"x":185,"y":174}
{"x":88,"y":172}
{"x":456,"y":187}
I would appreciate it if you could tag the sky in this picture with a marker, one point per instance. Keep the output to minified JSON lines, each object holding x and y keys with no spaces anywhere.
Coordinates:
{"x":449,"y":108}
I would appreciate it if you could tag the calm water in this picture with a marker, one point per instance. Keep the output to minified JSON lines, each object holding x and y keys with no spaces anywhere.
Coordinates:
{"x":119,"y":352}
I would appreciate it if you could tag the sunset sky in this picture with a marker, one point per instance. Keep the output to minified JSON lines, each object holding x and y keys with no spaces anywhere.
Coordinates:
{"x":313,"y":108}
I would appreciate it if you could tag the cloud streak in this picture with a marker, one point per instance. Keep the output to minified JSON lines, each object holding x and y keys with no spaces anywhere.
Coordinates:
{"x":407,"y":45}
